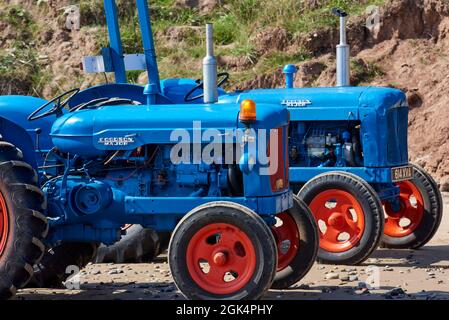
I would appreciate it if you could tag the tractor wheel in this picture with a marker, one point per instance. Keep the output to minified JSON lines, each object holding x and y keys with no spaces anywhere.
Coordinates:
{"x":349,"y":215}
{"x":296,"y":235}
{"x":137,"y":245}
{"x":22,"y":224}
{"x":223,"y":250}
{"x":420,"y":215}
{"x":53,"y":269}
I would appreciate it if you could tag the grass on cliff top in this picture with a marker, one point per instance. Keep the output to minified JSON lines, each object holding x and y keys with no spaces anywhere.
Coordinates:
{"x":235,"y":23}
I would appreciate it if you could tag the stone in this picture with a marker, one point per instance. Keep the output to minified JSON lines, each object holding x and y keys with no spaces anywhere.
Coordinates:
{"x":331,"y":276}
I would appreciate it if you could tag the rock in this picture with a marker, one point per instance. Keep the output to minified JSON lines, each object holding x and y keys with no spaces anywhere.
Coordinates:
{"x":343,"y":277}
{"x":395,"y":293}
{"x":115,"y":271}
{"x":326,"y":290}
{"x":445,"y":184}
{"x":361,"y":285}
{"x":353,"y":278}
{"x":302,"y":287}
{"x":331,"y":276}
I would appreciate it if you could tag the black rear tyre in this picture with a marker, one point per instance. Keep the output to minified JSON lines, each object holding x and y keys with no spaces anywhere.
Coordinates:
{"x":136,"y":246}
{"x":298,"y":243}
{"x":349,"y":215}
{"x":23,"y":225}
{"x":422,"y":205}
{"x":56,"y":264}
{"x":222,"y":250}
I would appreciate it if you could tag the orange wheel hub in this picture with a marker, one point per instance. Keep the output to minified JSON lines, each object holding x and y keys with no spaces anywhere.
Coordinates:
{"x":404,"y":222}
{"x":287,"y":240}
{"x":340,"y":218}
{"x":4,"y":221}
{"x":221,"y":258}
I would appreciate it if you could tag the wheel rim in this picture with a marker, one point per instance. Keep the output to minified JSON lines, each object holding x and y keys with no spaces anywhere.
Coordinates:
{"x":287,"y":238}
{"x":3,"y":223}
{"x":221,"y":258}
{"x":405,"y":221}
{"x":340,"y":218}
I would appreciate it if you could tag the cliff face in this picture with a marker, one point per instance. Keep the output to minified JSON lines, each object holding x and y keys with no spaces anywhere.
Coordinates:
{"x":408,"y":50}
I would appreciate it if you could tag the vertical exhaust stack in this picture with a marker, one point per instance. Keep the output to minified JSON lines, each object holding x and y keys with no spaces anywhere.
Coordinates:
{"x":210,"y":68}
{"x":343,"y":52}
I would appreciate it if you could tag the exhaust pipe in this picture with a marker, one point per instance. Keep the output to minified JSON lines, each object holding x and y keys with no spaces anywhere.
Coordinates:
{"x":343,"y":52}
{"x":210,"y":68}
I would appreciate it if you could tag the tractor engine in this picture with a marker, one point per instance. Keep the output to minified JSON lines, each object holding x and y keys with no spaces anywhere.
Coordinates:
{"x":321,"y":144}
{"x":108,"y":186}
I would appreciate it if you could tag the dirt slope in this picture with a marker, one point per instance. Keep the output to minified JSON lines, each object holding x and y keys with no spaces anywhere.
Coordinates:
{"x":408,"y":51}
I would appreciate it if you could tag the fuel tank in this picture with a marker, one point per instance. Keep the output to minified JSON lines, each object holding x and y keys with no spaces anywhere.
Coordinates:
{"x":93,"y":132}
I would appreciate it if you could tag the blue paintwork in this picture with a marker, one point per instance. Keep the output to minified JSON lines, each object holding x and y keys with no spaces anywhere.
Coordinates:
{"x":102,"y":186}
{"x":153,"y":87}
{"x":16,"y":129}
{"x":380,"y":112}
{"x":82,"y":132}
{"x":116,"y":48}
{"x":290,"y":70}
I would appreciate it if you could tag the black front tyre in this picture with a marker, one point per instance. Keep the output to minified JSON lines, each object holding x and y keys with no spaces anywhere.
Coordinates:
{"x":22,"y":223}
{"x":296,"y":235}
{"x":420,"y":214}
{"x":222,"y":250}
{"x":349,"y":215}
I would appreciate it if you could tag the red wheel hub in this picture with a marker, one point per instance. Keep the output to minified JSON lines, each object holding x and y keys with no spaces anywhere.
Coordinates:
{"x":287,"y":238}
{"x":221,"y":258}
{"x":340,"y":218}
{"x":4,"y":221}
{"x":404,"y":222}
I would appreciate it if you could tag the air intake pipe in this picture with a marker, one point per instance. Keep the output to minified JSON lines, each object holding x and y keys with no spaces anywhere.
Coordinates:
{"x":210,"y":68}
{"x":343,"y":51}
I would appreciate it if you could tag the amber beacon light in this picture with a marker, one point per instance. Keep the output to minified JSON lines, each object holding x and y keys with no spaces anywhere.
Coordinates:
{"x":248,"y":111}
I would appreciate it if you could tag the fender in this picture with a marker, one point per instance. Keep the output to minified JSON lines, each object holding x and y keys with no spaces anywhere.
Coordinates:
{"x":17,"y":135}
{"x":16,"y":129}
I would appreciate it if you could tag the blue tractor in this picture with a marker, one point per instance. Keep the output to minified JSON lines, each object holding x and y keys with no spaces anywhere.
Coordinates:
{"x":348,"y":157}
{"x":75,"y":169}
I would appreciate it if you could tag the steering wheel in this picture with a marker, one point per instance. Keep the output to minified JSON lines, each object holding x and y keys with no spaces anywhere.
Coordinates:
{"x":223,"y":78}
{"x":57,"y":108}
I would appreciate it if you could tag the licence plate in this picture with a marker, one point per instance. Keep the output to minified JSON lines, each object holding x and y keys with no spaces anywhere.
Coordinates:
{"x":402,"y":173}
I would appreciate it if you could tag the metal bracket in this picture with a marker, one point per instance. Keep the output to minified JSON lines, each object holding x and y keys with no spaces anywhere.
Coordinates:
{"x":103,"y":63}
